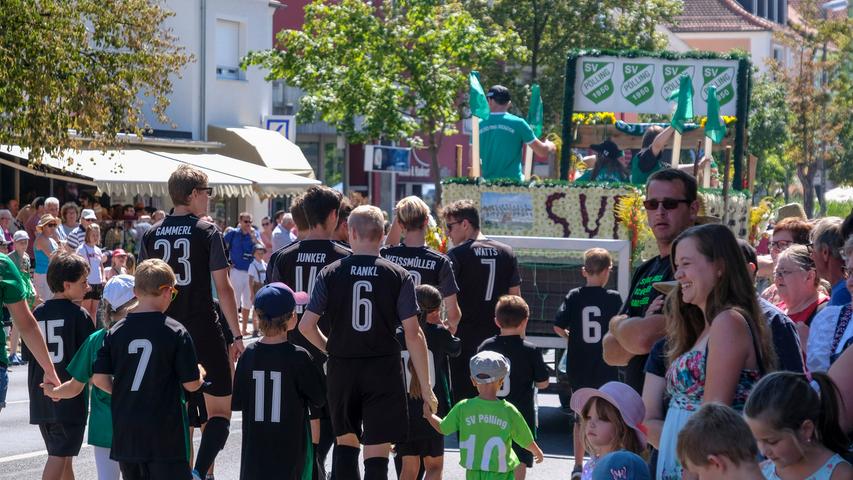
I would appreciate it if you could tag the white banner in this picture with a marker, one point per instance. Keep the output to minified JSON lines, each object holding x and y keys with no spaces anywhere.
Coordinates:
{"x":642,"y":85}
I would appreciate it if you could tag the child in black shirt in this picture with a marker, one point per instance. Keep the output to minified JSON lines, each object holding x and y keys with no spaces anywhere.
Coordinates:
{"x":147,"y":360}
{"x":274,"y":384}
{"x":527,"y":368}
{"x":65,"y":327}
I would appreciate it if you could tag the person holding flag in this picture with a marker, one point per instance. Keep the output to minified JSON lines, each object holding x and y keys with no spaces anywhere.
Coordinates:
{"x":501,"y":134}
{"x":715,"y":131}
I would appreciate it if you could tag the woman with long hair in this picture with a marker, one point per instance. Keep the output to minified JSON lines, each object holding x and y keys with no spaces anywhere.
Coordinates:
{"x":610,"y":165}
{"x":91,"y":251}
{"x":718,"y":342}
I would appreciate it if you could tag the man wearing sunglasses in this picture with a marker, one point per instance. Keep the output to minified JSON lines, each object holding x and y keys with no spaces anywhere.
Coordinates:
{"x":195,"y":250}
{"x":671,"y":206}
{"x":241,"y":248}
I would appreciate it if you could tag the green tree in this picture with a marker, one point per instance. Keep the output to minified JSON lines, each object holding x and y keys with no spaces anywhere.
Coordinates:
{"x":816,"y":115}
{"x":769,"y":134}
{"x":396,"y":71}
{"x":75,"y":69}
{"x":841,"y":84}
{"x":551,"y":28}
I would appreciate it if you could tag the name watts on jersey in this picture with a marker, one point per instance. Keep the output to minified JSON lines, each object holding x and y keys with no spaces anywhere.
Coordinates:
{"x":405,"y":262}
{"x":173,"y":230}
{"x":490,"y":419}
{"x":485,"y":252}
{"x":363,"y":271}
{"x":305,"y":257}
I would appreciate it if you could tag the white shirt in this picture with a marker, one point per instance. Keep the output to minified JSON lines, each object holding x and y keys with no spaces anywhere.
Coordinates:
{"x":95,"y":258}
{"x":258,"y":271}
{"x":821,"y":332}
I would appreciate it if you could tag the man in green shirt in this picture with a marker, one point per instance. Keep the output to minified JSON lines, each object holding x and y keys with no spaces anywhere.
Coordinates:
{"x":487,"y":425}
{"x":501,"y":138}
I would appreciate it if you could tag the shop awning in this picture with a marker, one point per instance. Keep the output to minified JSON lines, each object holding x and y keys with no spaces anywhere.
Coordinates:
{"x":261,"y":147}
{"x":267,"y":182}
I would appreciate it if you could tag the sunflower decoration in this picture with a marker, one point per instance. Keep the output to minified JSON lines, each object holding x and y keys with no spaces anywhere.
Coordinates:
{"x":632,"y":215}
{"x":435,"y":237}
{"x":759,"y":216}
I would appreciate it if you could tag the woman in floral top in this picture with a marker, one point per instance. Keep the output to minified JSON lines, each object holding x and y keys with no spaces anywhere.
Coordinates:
{"x":719,"y":344}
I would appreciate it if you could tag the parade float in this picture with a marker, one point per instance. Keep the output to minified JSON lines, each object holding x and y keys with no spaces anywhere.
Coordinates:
{"x":597,"y":83}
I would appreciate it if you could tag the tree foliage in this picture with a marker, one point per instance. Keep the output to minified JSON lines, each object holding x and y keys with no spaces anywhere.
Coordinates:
{"x":551,"y":28}
{"x":394,"y":71}
{"x":76,"y":68}
{"x":817,"y":111}
{"x":769,"y":133}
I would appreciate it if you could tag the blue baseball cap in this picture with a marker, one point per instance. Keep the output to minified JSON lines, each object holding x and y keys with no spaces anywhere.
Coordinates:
{"x":277,"y":299}
{"x":621,"y":465}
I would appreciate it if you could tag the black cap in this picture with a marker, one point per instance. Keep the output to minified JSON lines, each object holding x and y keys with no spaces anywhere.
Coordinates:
{"x":748,"y":251}
{"x":607,"y":149}
{"x":499,"y":93}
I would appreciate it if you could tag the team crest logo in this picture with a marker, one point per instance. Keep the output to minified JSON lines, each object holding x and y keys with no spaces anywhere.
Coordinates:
{"x":722,"y":78}
{"x":637,"y":87}
{"x":671,"y":76}
{"x":597,"y":83}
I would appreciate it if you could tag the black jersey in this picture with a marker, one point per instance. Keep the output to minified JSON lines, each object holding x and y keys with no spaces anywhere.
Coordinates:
{"x":586,"y":314}
{"x":364,"y":298}
{"x":193,"y":248}
{"x":641,"y":295}
{"x":526,"y":368}
{"x":441,"y":346}
{"x":149,"y":356}
{"x":273,"y":386}
{"x":297,"y":266}
{"x":426,"y":266}
{"x":485,"y":270}
{"x":65,"y":326}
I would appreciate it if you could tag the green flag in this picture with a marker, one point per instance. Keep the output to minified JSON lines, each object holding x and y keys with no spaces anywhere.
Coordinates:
{"x":684,"y":109}
{"x":715,"y":127}
{"x":477,"y":97}
{"x":534,"y":114}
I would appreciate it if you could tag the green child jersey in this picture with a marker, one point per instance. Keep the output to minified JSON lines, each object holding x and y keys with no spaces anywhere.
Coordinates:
{"x":487,"y":429}
{"x":80,"y":369}
{"x":501,"y":138}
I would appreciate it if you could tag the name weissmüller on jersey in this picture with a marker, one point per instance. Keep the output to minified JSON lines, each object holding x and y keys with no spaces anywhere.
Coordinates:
{"x":425,"y":265}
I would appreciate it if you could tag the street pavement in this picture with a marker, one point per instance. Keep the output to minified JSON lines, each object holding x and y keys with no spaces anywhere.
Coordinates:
{"x":22,"y":454}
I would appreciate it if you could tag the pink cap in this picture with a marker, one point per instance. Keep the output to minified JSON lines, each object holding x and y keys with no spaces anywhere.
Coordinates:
{"x":626,"y":400}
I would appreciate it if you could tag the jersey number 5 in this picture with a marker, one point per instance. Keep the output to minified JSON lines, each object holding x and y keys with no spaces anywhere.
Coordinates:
{"x":590,"y":328}
{"x":48,"y":329}
{"x":185,"y":277}
{"x":362,"y":308}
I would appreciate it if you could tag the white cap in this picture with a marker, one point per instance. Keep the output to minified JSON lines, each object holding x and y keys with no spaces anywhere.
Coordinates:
{"x":20,"y":235}
{"x":88,"y":214}
{"x":119,"y":290}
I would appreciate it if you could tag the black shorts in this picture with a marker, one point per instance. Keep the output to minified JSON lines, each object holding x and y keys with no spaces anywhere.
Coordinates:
{"x":97,"y":290}
{"x":155,"y":471}
{"x":425,"y":447}
{"x":62,"y":439}
{"x":523,"y":455}
{"x":212,"y":354}
{"x":368,"y":393}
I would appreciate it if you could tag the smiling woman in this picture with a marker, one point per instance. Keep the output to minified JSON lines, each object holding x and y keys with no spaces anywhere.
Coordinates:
{"x":719,"y":345}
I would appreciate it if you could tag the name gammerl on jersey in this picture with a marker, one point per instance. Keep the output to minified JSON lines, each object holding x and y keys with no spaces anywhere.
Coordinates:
{"x":166,"y":231}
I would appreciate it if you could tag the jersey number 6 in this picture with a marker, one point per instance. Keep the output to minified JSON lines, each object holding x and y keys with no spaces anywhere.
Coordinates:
{"x":362,"y":308}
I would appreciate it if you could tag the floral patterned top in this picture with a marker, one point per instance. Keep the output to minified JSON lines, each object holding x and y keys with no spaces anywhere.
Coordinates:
{"x":589,"y":467}
{"x":685,"y":382}
{"x":822,"y":473}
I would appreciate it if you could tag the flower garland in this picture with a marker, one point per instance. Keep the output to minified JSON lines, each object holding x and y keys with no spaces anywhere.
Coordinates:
{"x":549,"y":207}
{"x":585,"y":215}
{"x":435,"y":237}
{"x":594,"y":118}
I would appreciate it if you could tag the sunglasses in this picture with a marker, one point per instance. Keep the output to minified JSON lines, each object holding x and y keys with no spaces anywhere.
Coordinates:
{"x":449,"y":225}
{"x":264,"y":224}
{"x":172,"y":288}
{"x":51,"y":225}
{"x":247,"y":221}
{"x":668,"y":203}
{"x":781,"y":244}
{"x":209,"y":190}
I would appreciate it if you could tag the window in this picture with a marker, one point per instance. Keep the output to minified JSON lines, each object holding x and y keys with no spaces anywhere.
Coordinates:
{"x":228,"y":50}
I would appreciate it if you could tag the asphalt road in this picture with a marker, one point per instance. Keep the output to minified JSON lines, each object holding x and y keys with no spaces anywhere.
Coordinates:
{"x":22,"y":454}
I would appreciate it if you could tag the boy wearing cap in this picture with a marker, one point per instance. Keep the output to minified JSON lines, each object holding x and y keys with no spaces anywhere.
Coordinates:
{"x":527,"y":368}
{"x":21,"y":259}
{"x":257,"y":277}
{"x":487,"y":426}
{"x":274,"y":384}
{"x":65,"y":326}
{"x":622,"y":465}
{"x":147,"y":361}
{"x":502,"y":136}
